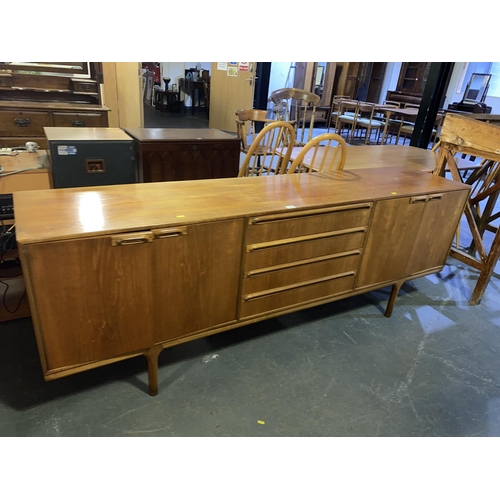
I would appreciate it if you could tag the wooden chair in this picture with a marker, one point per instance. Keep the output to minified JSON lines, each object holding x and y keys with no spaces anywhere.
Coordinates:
{"x":334,"y":110}
{"x":366,"y":119}
{"x":248,"y":125}
{"x":319,"y":157}
{"x":270,"y":151}
{"x":406,"y":128}
{"x":464,"y":135}
{"x":298,"y":107}
{"x":347,"y":114}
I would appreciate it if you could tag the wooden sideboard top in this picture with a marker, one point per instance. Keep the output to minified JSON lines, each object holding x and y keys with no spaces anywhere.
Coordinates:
{"x":180,"y":134}
{"x":52,"y":106}
{"x":85,"y":134}
{"x":59,"y":214}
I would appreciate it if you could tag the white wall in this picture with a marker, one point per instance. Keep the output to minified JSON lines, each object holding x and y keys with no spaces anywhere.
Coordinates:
{"x":280,"y":73}
{"x":391,"y":77}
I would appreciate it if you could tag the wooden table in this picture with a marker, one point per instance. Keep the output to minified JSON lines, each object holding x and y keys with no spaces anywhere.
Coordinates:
{"x":192,"y":89}
{"x":15,"y":299}
{"x":380,"y":156}
{"x":154,"y":265}
{"x":25,"y":181}
{"x":181,"y":154}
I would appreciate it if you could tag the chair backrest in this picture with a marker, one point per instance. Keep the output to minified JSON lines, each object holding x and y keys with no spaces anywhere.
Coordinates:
{"x":297,"y":106}
{"x":246,"y":120}
{"x":270,"y":151}
{"x":319,"y":157}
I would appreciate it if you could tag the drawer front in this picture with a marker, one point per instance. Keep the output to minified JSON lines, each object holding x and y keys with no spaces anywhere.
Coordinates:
{"x":79,"y":119}
{"x":329,"y":286}
{"x":275,"y":277}
{"x":284,"y":251}
{"x":294,"y":224}
{"x":23,"y":123}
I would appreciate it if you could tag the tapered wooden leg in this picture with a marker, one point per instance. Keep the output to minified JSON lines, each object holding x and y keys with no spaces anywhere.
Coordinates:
{"x":152,"y":357}
{"x":392,"y":298}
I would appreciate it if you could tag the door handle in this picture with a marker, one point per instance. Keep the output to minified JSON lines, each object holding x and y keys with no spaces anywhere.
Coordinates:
{"x":171,"y":232}
{"x":249,"y":80}
{"x":131,"y":239}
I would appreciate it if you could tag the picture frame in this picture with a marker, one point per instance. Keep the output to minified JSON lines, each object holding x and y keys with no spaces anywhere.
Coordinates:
{"x":148,"y":88}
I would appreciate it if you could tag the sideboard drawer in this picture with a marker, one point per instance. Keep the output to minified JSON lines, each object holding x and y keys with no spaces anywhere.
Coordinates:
{"x":79,"y":119}
{"x":23,"y":123}
{"x":269,"y":278}
{"x":299,"y":293}
{"x":294,"y":224}
{"x":273,"y":253}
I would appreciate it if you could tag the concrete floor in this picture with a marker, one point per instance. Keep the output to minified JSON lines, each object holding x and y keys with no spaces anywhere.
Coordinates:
{"x":341,"y":369}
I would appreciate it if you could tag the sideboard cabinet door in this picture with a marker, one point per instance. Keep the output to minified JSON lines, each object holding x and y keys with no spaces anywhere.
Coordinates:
{"x":409,"y":236}
{"x":196,"y":277}
{"x":99,"y":310}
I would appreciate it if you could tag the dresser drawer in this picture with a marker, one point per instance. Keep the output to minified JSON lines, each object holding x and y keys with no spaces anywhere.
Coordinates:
{"x":293,"y":224}
{"x":79,"y":119}
{"x":23,"y":123}
{"x":277,"y":252}
{"x":299,"y":293}
{"x":269,"y":278}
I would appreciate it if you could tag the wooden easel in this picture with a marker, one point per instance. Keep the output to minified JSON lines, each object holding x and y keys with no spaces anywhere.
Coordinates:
{"x":465,"y":135}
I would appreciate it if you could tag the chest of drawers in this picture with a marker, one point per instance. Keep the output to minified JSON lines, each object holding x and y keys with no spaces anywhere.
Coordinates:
{"x":23,"y":121}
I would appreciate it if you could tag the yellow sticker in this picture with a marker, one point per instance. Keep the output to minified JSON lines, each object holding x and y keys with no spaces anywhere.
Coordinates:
{"x":261,"y":422}
{"x":394,"y":192}
{"x":180,"y":216}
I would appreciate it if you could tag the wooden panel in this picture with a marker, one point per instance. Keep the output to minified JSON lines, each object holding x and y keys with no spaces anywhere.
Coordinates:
{"x":23,"y":123}
{"x":299,"y":271}
{"x":131,"y":207}
{"x":101,"y":308}
{"x":196,"y":278}
{"x":297,"y":224}
{"x":79,"y":119}
{"x":190,"y":162}
{"x":436,"y":233}
{"x":330,"y":286}
{"x":390,"y":241}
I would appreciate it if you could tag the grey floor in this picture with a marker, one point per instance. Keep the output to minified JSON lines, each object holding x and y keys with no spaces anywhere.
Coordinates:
{"x":341,"y":369}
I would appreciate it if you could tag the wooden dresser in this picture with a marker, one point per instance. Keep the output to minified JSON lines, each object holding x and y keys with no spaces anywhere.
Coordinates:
{"x":182,"y":154}
{"x":37,"y":95}
{"x":24,"y":121}
{"x":121,"y":271}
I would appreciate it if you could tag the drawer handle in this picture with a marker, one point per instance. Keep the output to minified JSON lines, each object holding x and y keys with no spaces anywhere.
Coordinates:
{"x":22,"y":122}
{"x":435,"y":196}
{"x":169,"y":233}
{"x":426,"y":198}
{"x":131,"y":239}
{"x":307,"y":213}
{"x":78,"y":123}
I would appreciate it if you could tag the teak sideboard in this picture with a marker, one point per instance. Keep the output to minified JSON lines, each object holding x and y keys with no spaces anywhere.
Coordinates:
{"x":120,"y":271}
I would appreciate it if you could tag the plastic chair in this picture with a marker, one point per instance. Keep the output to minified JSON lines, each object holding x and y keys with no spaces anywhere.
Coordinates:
{"x":298,"y":107}
{"x":319,"y":157}
{"x":270,"y":151}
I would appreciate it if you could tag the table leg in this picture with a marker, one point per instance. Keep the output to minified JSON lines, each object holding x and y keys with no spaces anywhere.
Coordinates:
{"x":152,"y":357}
{"x":386,"y":127}
{"x":392,"y":298}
